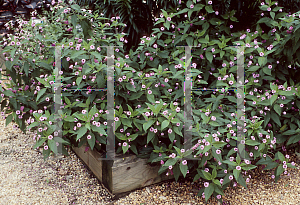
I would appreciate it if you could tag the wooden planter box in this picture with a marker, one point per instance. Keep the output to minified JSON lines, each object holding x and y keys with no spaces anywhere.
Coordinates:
{"x":126,"y":173}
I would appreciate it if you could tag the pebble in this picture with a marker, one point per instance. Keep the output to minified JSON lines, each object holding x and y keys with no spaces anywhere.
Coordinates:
{"x":148,"y":190}
{"x":162,"y":197}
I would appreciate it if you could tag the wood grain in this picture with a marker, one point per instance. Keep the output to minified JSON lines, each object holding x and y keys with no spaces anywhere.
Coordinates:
{"x":125,"y":173}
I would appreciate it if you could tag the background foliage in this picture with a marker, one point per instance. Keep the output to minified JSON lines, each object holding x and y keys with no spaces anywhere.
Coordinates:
{"x":139,"y":15}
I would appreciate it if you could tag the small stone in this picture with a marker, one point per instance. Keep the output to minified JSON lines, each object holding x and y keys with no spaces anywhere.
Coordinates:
{"x":62,"y":172}
{"x":162,"y":197}
{"x":68,"y":177}
{"x":148,"y":190}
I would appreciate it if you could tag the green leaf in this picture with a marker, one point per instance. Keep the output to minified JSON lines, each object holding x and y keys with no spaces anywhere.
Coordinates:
{"x":78,"y":80}
{"x":169,"y":162}
{"x":126,"y":121}
{"x":88,"y":125}
{"x":215,"y":124}
{"x":208,"y":191}
{"x":209,"y":56}
{"x":226,"y":179}
{"x":176,"y":130}
{"x":81,"y":132}
{"x":74,"y":20}
{"x":264,"y":20}
{"x":236,"y":174}
{"x":133,"y":148}
{"x":45,"y":65}
{"x":172,"y":136}
{"x":242,"y":181}
{"x":262,"y":61}
{"x":272,"y":14}
{"x":40,"y":93}
{"x":209,"y":9}
{"x":281,"y":156}
{"x":162,"y":169}
{"x":39,"y":143}
{"x":279,"y":170}
{"x":289,"y":132}
{"x":215,"y":155}
{"x":178,"y":73}
{"x":248,"y":167}
{"x":222,"y":53}
{"x":61,"y":140}
{"x":148,"y":124}
{"x":218,"y":144}
{"x":8,"y":93}
{"x":98,"y":130}
{"x":80,"y":116}
{"x":203,"y":40}
{"x":67,"y":100}
{"x":275,"y":118}
{"x":207,"y":175}
{"x":253,"y":68}
{"x":34,"y":124}
{"x":252,"y":142}
{"x":150,"y":136}
{"x":176,"y":172}
{"x":125,"y":148}
{"x":238,"y":159}
{"x":130,"y":87}
{"x":183,"y":169}
{"x":189,"y":41}
{"x":164,"y":124}
{"x":92,"y":140}
{"x":26,"y":68}
{"x":75,"y":7}
{"x":267,"y":71}
{"x":69,"y":119}
{"x":214,"y":173}
{"x":293,"y":139}
{"x":271,"y":165}
{"x":52,"y":146}
{"x":150,"y":97}
{"x":232,"y":99}
{"x":273,"y":98}
{"x":233,"y":18}
{"x":14,"y":103}
{"x":46,"y":153}
{"x":217,"y":189}
{"x":135,"y":96}
{"x":8,"y":119}
{"x":277,"y":108}
{"x":216,"y":182}
{"x":75,"y":54}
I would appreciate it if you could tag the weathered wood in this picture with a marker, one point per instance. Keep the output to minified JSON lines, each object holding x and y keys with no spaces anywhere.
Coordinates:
{"x":125,"y":173}
{"x":90,"y":159}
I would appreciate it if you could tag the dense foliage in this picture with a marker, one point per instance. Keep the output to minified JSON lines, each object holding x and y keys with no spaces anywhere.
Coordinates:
{"x":12,"y":9}
{"x":149,"y":89}
{"x":139,"y":16}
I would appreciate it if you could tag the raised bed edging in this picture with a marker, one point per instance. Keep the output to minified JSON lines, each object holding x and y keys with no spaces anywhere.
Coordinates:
{"x":126,"y":173}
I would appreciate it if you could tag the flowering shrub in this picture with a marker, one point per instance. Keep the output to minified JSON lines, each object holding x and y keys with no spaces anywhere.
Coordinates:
{"x":149,"y":83}
{"x":30,"y":63}
{"x":271,"y":94}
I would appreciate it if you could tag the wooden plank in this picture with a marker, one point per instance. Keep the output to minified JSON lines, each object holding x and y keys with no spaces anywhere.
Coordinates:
{"x":133,"y":173}
{"x":126,"y":173}
{"x":95,"y":165}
